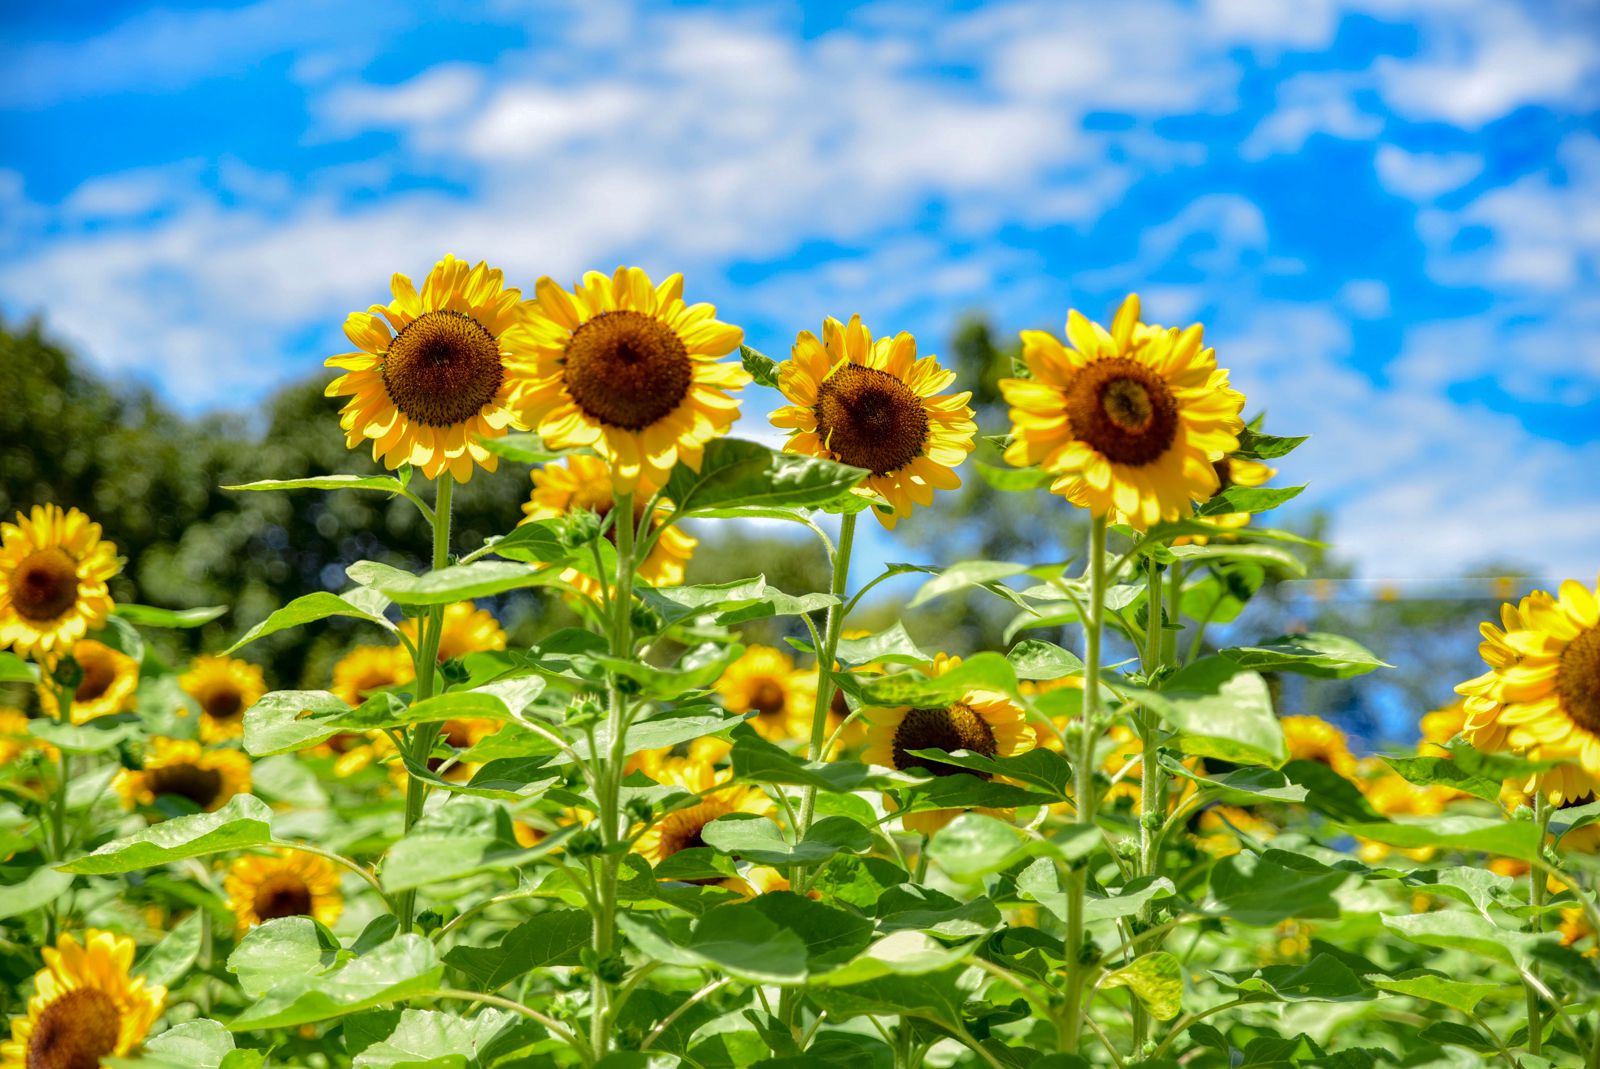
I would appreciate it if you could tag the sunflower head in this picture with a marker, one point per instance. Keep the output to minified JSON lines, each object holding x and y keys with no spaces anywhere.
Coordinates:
{"x":366,"y":669}
{"x":432,"y":376}
{"x":681,"y":829}
{"x":85,"y":1006}
{"x":625,"y":367}
{"x":1131,"y":421}
{"x":224,"y":688}
{"x":181,"y":768}
{"x":875,"y":405}
{"x":107,"y":685}
{"x":54,"y":568}
{"x":1310,"y":738}
{"x":779,"y":697}
{"x":289,"y":883}
{"x":465,"y":629}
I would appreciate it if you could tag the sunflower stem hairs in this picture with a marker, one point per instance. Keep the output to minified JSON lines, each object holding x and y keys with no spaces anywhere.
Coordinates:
{"x":1131,"y":422}
{"x":434,"y":371}
{"x":625,"y":367}
{"x":875,"y":405}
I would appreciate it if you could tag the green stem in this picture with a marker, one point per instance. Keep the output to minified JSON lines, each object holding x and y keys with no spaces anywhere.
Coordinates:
{"x":1536,"y":890}
{"x":1151,"y":785}
{"x":1070,"y":1027}
{"x":825,"y":663}
{"x":426,"y":663}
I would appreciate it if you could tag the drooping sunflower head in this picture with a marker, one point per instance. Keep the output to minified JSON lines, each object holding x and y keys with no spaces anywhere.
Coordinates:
{"x":182,"y":768}
{"x":54,"y":567}
{"x":224,"y":688}
{"x":1311,"y":738}
{"x":1131,"y":422}
{"x":432,"y":375}
{"x":625,"y":367}
{"x":681,"y":829}
{"x":875,"y":405}
{"x":465,"y":629}
{"x":85,"y":1006}
{"x":289,"y":883}
{"x":366,"y":669}
{"x":580,"y":483}
{"x":109,"y":681}
{"x":779,"y":697}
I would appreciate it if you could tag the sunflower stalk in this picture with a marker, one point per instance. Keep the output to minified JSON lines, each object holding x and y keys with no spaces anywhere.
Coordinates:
{"x":1542,"y":812}
{"x":426,"y":662}
{"x":825,"y":662}
{"x":1152,"y":777}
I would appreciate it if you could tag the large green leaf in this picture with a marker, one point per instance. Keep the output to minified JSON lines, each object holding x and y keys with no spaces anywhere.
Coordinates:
{"x":964,"y":575}
{"x":1461,"y":995}
{"x":1039,"y":768}
{"x":554,"y":937}
{"x":985,"y":671}
{"x":41,"y":887}
{"x":459,"y":582}
{"x":1035,"y":659}
{"x":387,"y":484}
{"x":171,"y":959}
{"x":1443,"y":772}
{"x":774,"y":938}
{"x":522,"y":448}
{"x":536,"y":541}
{"x":740,"y":474}
{"x":244,"y":821}
{"x":1316,"y":654}
{"x":891,"y":645}
{"x":14,"y":669}
{"x":96,"y":736}
{"x":1156,"y":980}
{"x":462,"y":838}
{"x":1219,"y":711}
{"x":404,"y":967}
{"x":177,"y":619}
{"x":1249,"y":499}
{"x":1263,"y":890}
{"x":1471,"y":932}
{"x":1457,"y":831}
{"x":1322,"y":979}
{"x":304,"y":610}
{"x":430,"y":1039}
{"x":755,"y":838}
{"x":281,"y":951}
{"x":200,"y":1044}
{"x":1275,"y":557}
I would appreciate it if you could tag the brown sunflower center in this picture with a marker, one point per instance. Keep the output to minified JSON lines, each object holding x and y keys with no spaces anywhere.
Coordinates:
{"x":627,"y":369}
{"x":200,"y":785}
{"x":684,"y":831}
{"x":98,"y":675}
{"x":871,"y":419}
{"x":767,"y":697}
{"x":222,"y":701}
{"x":283,"y":895}
{"x":954,"y":727}
{"x":1123,"y":409}
{"x":442,"y":369}
{"x":45,"y":584}
{"x":1578,"y":680}
{"x":75,"y":1031}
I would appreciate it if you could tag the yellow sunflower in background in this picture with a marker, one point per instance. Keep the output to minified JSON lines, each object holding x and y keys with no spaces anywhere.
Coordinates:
{"x":53,"y":573}
{"x":1481,"y":695}
{"x":1218,"y":827}
{"x":182,"y":768}
{"x":466,"y":629}
{"x":433,"y":372}
{"x":765,"y":682}
{"x":874,"y":405}
{"x":1439,"y":727}
{"x":224,"y":688}
{"x":289,"y":883}
{"x":1131,"y":422}
{"x":1124,"y":763}
{"x":352,"y":751}
{"x":16,"y":739}
{"x":110,"y":681}
{"x":983,"y":721}
{"x":625,"y":367}
{"x":1393,"y":795}
{"x":1311,"y":738}
{"x":681,"y":828}
{"x":1231,"y":471}
{"x":581,"y":482}
{"x":366,"y":669}
{"x":86,"y":1006}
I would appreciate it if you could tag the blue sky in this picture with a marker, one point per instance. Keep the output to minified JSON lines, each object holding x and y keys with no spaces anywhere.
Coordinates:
{"x":1387,"y":213}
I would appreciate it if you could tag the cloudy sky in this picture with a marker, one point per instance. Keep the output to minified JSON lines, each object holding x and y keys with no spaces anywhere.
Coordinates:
{"x":1386,"y":212}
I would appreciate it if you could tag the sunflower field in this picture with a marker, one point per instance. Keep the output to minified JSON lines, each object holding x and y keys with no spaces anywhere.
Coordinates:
{"x":648,"y":839}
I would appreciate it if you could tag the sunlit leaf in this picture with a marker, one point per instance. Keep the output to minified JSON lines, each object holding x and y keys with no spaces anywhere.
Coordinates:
{"x":405,"y":967}
{"x":522,"y":448}
{"x":152,"y":616}
{"x":553,"y":937}
{"x":1219,"y":711}
{"x":1277,"y":885}
{"x":304,"y":610}
{"x":383,"y":483}
{"x":1156,"y":980}
{"x":1319,"y":655}
{"x":243,"y":821}
{"x":459,"y":582}
{"x":755,"y":838}
{"x":744,"y":474}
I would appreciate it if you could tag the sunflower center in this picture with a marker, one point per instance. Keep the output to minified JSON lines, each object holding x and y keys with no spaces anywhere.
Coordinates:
{"x":767,"y":697}
{"x":442,"y":369}
{"x":627,"y":369}
{"x":222,"y":702}
{"x":200,"y":785}
{"x":1578,"y":680}
{"x":45,"y":584}
{"x":684,"y":831}
{"x":1123,"y":409}
{"x":283,"y":896}
{"x":98,"y":675}
{"x":75,"y":1031}
{"x":955,"y":727}
{"x":871,"y":419}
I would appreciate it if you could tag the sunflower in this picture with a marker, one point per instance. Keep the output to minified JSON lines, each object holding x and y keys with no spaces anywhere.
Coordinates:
{"x":110,"y":678}
{"x":1231,"y":471}
{"x":1311,"y":738}
{"x":16,"y":739}
{"x":1124,"y":765}
{"x":983,"y":721}
{"x":1393,"y":795}
{"x":288,"y":883}
{"x":428,"y":389}
{"x":366,"y":669}
{"x":1218,"y":827}
{"x":180,"y":767}
{"x":1482,"y":727}
{"x":874,"y":405}
{"x":85,"y":1006}
{"x":224,"y":688}
{"x":625,"y":367}
{"x":465,"y":629}
{"x":1439,"y":727}
{"x":764,"y":682}
{"x":681,"y":828}
{"x":53,"y":573}
{"x":581,"y":482}
{"x":1131,"y":423}
{"x":1575,"y":928}
{"x":353,"y":751}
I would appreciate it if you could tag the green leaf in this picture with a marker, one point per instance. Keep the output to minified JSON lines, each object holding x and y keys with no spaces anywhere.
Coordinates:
{"x":304,"y":610}
{"x":1249,"y":499}
{"x":777,"y":937}
{"x":151,"y":616}
{"x":902,"y":953}
{"x":754,"y":758}
{"x":964,"y":575}
{"x":1156,"y":980}
{"x":1040,"y":882}
{"x":171,"y":959}
{"x":1038,"y":767}
{"x":1253,"y":445}
{"x":1014,"y":480}
{"x":200,"y":1044}
{"x":554,"y":937}
{"x":96,"y":736}
{"x":1489,"y":835}
{"x":1442,"y":771}
{"x":755,"y":838}
{"x":42,"y":886}
{"x":14,"y":669}
{"x":1219,"y":711}
{"x":523,"y":448}
{"x":535,"y":541}
{"x":403,"y":968}
{"x":387,"y":484}
{"x":243,"y":822}
{"x":1322,"y":979}
{"x":1275,"y":556}
{"x":1471,"y":932}
{"x":735,"y":473}
{"x":462,"y":838}
{"x":1277,"y":885}
{"x":1242,"y":786}
{"x":1461,"y":995}
{"x":1035,"y":659}
{"x":984,"y":671}
{"x":459,"y":582}
{"x":1329,"y":793}
{"x":762,"y":368}
{"x":892,"y":645}
{"x":1319,"y":655}
{"x":282,"y":951}
{"x":430,"y":1039}
{"x":974,"y":845}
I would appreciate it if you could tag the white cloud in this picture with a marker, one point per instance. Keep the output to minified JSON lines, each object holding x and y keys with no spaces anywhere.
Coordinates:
{"x":1313,"y":103}
{"x":1425,"y":175}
